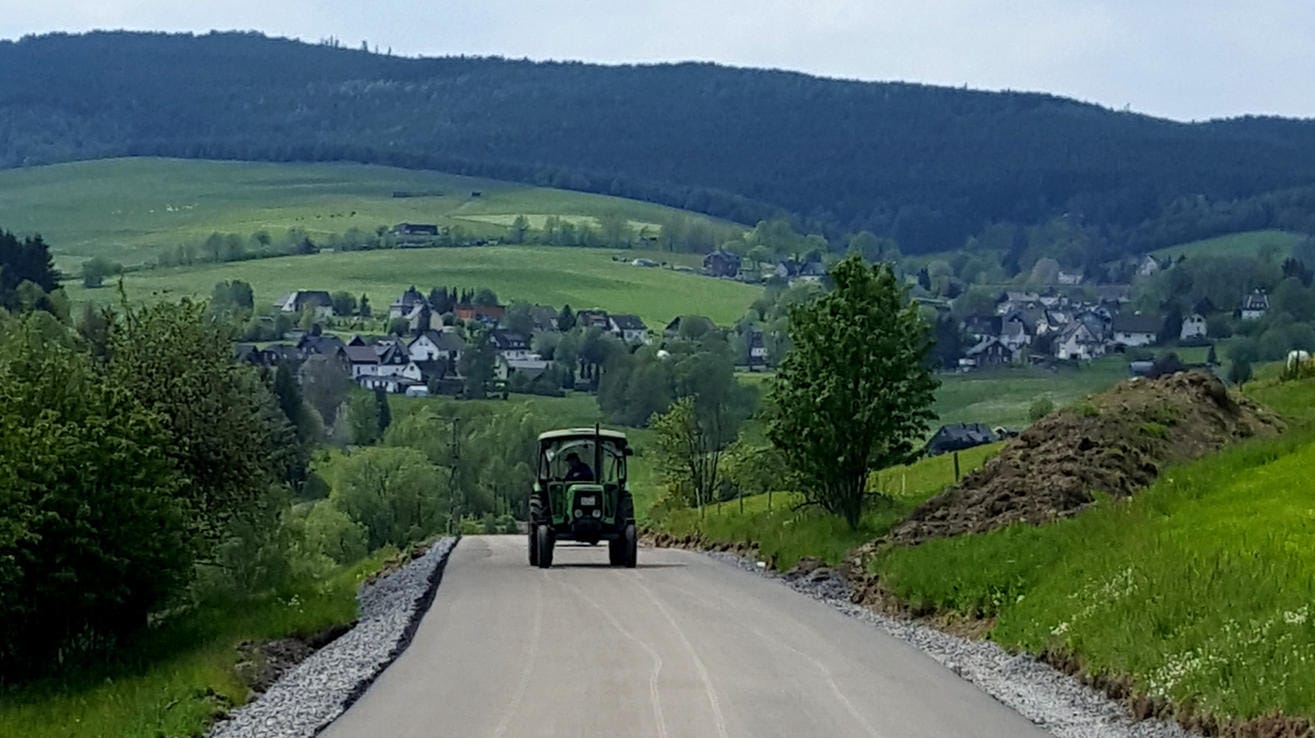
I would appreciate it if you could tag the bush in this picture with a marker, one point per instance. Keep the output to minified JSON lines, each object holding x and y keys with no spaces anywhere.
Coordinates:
{"x":391,"y":492}
{"x":1042,"y":407}
{"x":331,"y":533}
{"x":93,"y":529}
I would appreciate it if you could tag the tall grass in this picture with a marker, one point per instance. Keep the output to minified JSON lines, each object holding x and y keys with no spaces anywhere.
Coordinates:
{"x":1200,"y":589}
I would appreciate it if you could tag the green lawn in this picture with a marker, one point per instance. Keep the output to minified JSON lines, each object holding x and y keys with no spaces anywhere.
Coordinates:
{"x":785,"y":533}
{"x":1250,"y":243}
{"x":128,"y":210}
{"x":159,"y":686}
{"x":581,"y":278}
{"x":1199,"y":588}
{"x":1003,"y":396}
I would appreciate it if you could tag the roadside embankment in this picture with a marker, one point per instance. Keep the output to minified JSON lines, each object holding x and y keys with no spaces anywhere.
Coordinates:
{"x":320,"y":688}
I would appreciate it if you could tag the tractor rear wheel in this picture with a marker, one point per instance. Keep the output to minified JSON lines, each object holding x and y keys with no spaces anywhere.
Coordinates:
{"x":631,"y":541}
{"x":545,"y":541}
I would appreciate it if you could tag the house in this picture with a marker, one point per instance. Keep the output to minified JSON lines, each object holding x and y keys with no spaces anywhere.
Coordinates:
{"x":1148,"y":266}
{"x":1255,"y":305}
{"x":1194,"y":327}
{"x":363,"y":360}
{"x":629,"y":328}
{"x":279,"y":353}
{"x":415,"y":229}
{"x":959,"y":436}
{"x":423,"y":372}
{"x":1136,"y":329}
{"x":757,"y":350}
{"x":393,"y":358}
{"x":1076,"y":341}
{"x":593,"y":319}
{"x":511,"y":345}
{"x":544,"y":318}
{"x":993,"y":352}
{"x":403,"y":306}
{"x":394,"y":384}
{"x":1013,"y":333}
{"x":721,"y":263}
{"x":318,"y":301}
{"x":981,"y":326}
{"x":488,"y":314}
{"x":530,"y":369}
{"x":318,"y":343}
{"x":247,"y":353}
{"x":432,"y":345}
{"x":1009,"y":302}
{"x":812,"y":271}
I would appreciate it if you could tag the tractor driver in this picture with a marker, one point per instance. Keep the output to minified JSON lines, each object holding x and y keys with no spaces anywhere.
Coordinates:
{"x":578,"y":471}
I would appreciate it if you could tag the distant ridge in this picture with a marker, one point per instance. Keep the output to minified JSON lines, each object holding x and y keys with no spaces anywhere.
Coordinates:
{"x":927,"y":165}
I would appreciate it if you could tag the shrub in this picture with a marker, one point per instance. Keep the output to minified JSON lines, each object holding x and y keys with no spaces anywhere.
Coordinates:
{"x":1042,"y":407}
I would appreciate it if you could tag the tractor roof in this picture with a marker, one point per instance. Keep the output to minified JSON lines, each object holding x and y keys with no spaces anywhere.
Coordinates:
{"x":567,"y":433}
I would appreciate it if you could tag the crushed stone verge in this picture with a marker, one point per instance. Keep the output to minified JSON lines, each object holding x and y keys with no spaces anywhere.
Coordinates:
{"x":1054,"y":701}
{"x":309,"y":697}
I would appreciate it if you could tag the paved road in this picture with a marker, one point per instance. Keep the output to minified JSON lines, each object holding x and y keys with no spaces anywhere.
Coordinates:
{"x":681,"y":646}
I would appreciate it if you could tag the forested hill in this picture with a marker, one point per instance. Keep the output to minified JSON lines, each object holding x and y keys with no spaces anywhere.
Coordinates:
{"x":927,"y":165}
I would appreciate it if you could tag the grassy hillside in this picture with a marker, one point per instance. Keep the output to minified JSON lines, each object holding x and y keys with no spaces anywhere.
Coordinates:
{"x":1250,"y":243}
{"x":1003,"y":397}
{"x":128,"y":210}
{"x":582,"y":278}
{"x":1199,"y":589}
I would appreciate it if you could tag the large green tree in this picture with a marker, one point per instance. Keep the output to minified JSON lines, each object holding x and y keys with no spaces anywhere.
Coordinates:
{"x":854,"y":393}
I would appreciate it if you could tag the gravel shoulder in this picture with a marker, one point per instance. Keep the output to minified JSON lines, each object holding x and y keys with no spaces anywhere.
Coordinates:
{"x":322,"y":687}
{"x":1052,"y":700}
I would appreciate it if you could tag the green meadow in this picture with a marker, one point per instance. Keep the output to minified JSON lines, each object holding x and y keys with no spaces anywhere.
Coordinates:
{"x":129,"y":210}
{"x":1250,"y":243}
{"x":581,"y":278}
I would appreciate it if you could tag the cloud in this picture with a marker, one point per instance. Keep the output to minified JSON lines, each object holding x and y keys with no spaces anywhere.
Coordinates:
{"x":1187,"y":60}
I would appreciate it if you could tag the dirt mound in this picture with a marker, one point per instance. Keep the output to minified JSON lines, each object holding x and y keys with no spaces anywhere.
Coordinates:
{"x":1115,"y":442}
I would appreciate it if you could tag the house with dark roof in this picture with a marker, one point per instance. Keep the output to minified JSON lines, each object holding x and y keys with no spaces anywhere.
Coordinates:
{"x":511,"y":345}
{"x":629,"y":328}
{"x":594,"y":319}
{"x":959,"y":436}
{"x":1254,"y":306}
{"x":1076,"y":341}
{"x":991,"y":351}
{"x":405,"y":304}
{"x":415,"y":229}
{"x":544,"y":318}
{"x":432,"y":345}
{"x":721,"y":263}
{"x":1136,"y":329}
{"x":312,"y":343}
{"x":487,"y":314}
{"x":757,"y":351}
{"x":318,"y":301}
{"x":362,"y":360}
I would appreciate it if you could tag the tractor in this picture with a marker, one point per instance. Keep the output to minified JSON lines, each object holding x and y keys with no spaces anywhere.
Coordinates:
{"x":580,"y":494}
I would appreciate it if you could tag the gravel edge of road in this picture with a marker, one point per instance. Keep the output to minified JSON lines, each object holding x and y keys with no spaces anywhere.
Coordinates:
{"x":307,"y":699}
{"x":1050,"y":699}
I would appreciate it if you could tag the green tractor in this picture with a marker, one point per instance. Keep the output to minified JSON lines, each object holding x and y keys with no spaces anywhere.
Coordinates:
{"x":580,"y":494}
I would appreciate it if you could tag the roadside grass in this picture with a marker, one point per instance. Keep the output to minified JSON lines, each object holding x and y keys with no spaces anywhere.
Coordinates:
{"x":785,"y":532}
{"x":1002,"y":397}
{"x":1200,"y":589}
{"x":129,"y":210}
{"x":581,"y":278}
{"x":1249,"y":243}
{"x":173,"y":679}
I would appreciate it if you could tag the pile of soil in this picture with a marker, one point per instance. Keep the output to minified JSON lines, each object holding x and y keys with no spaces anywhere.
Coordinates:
{"x":1115,"y":443}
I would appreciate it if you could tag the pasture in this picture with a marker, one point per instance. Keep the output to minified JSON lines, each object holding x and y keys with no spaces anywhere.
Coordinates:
{"x":581,"y":278}
{"x":129,"y":210}
{"x":1250,"y":243}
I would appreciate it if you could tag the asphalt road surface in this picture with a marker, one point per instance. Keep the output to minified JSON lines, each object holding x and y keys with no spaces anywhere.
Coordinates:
{"x":681,"y":646}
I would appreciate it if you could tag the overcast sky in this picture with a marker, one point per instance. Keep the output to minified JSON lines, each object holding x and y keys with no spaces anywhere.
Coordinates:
{"x":1179,"y":59}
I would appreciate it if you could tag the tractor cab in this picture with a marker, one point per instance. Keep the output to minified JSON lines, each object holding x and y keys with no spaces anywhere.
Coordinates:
{"x":581,"y":494}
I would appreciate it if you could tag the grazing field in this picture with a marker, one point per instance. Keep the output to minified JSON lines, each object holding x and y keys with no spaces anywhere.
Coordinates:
{"x":1002,"y":397}
{"x":1198,"y":589}
{"x":1251,"y":243}
{"x":581,"y":278}
{"x":128,"y":210}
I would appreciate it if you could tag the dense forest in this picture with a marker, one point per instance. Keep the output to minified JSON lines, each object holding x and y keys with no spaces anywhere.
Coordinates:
{"x":927,"y":166}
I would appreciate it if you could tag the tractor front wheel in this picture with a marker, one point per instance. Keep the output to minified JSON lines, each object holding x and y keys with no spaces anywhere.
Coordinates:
{"x":631,"y":542}
{"x":545,"y":540}
{"x":534,"y":545}
{"x":616,"y":551}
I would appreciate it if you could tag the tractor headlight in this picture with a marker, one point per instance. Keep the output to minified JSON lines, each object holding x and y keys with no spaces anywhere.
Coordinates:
{"x":598,"y":513}
{"x":579,"y":512}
